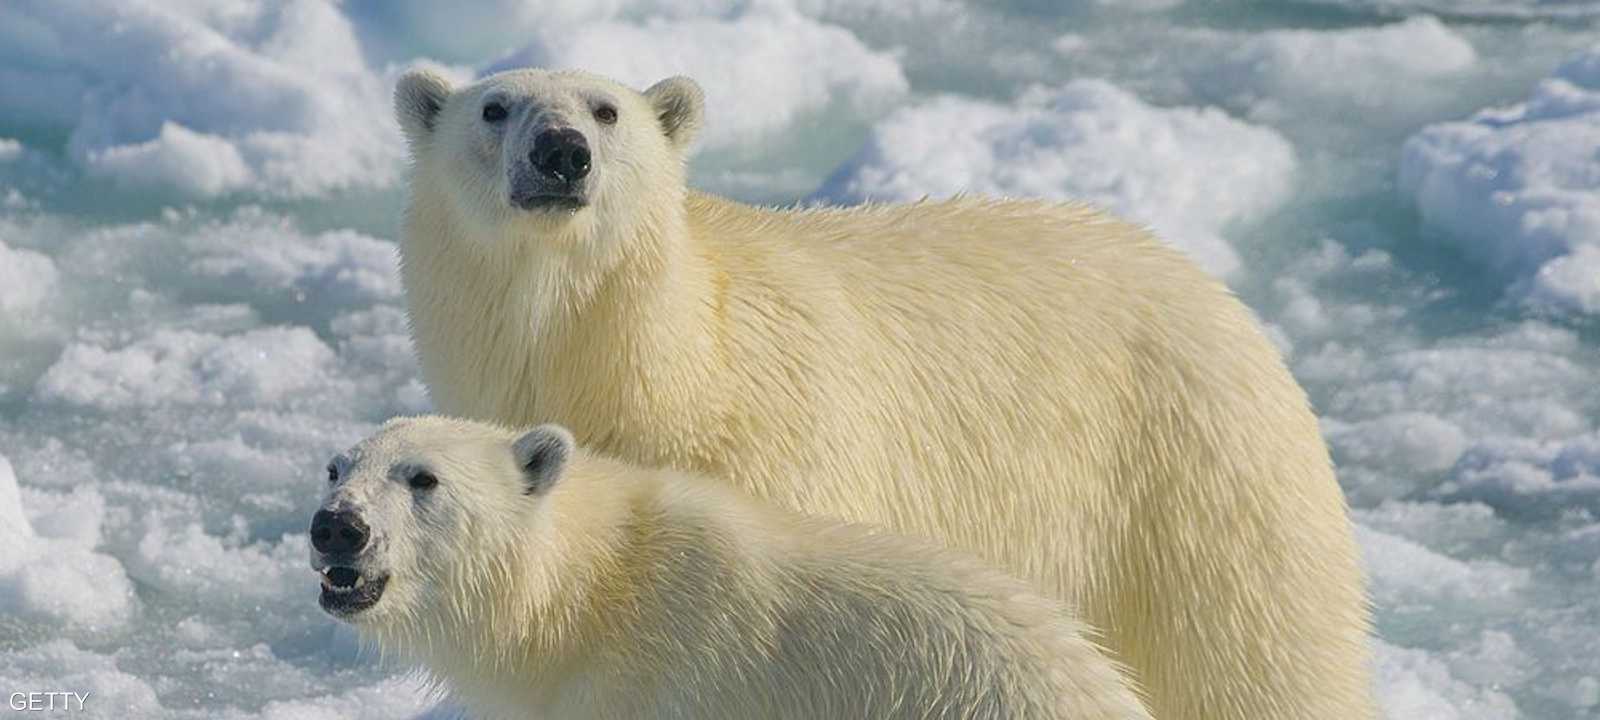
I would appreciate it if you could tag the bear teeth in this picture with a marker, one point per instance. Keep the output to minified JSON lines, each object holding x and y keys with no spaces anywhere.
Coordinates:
{"x":329,"y":584}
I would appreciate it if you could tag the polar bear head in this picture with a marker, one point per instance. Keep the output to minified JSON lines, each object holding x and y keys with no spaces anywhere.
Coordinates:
{"x":547,"y":154}
{"x":424,"y":511}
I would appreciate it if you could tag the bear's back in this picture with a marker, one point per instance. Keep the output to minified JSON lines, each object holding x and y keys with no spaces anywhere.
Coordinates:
{"x":1008,"y":376}
{"x":778,"y":615}
{"x":995,"y":342}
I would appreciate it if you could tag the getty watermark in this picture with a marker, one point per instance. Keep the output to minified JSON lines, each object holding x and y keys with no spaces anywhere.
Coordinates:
{"x":46,"y":701}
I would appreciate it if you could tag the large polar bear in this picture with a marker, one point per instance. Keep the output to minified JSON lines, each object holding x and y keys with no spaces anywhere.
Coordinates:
{"x":1040,"y":383}
{"x":538,"y":581}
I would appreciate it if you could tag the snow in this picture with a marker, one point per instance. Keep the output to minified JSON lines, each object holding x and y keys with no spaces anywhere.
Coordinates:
{"x":27,"y":279}
{"x":1378,"y":68}
{"x":185,"y":367}
{"x":206,"y":99}
{"x":383,"y":701}
{"x":269,"y":255}
{"x":740,"y":61}
{"x":62,"y":663}
{"x":12,"y":520}
{"x":1406,"y":575}
{"x":1505,"y":419}
{"x":187,"y":161}
{"x":1421,"y":441}
{"x":1501,"y":9}
{"x":1571,"y":280}
{"x":1415,"y":685}
{"x":1188,"y":172}
{"x":1517,"y":188}
{"x":200,"y":301}
{"x":472,"y":31}
{"x":57,"y":581}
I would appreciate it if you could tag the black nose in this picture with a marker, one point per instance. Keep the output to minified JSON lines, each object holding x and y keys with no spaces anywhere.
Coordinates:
{"x":562,"y":154}
{"x":338,"y":532}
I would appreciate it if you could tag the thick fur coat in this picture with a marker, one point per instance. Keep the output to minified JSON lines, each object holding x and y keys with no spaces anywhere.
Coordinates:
{"x":1038,"y":383}
{"x":534,"y":580}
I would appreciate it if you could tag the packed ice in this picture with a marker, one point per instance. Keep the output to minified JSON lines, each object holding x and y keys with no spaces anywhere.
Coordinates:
{"x":1187,"y":172}
{"x":734,"y":57}
{"x":201,"y":99}
{"x":1518,"y":187}
{"x":200,"y":303}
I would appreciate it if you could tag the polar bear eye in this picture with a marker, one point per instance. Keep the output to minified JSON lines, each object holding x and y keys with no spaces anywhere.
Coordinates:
{"x":606,"y":114}
{"x":422,"y":480}
{"x":494,"y":112}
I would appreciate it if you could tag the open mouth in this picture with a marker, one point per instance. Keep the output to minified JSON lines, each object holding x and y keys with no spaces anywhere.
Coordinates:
{"x":549,"y":202}
{"x":346,"y":592}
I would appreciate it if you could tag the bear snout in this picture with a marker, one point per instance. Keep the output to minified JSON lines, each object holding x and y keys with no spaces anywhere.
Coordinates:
{"x":561,"y":153}
{"x":338,"y":533}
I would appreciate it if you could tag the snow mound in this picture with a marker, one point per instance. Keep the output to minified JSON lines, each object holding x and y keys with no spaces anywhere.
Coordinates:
{"x":1374,"y":68}
{"x":1417,"y":685}
{"x":1187,"y":172}
{"x":1518,"y":188}
{"x":59,"y":581}
{"x":258,"y":253}
{"x":266,"y":365}
{"x":203,"y":98}
{"x":113,"y":692}
{"x":1421,"y":441}
{"x":1407,"y":576}
{"x":27,"y":280}
{"x":744,"y":61}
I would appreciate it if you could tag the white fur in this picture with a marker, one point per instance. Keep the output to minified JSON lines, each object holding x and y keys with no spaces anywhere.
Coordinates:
{"x":1039,"y":383}
{"x":616,"y":592}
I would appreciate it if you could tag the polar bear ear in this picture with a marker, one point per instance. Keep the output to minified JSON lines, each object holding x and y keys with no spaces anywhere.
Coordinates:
{"x":542,"y":453}
{"x":680,"y":108}
{"x":418,"y":97}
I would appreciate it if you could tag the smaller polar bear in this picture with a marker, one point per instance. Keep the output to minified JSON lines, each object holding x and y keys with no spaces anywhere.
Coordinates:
{"x":536,"y":580}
